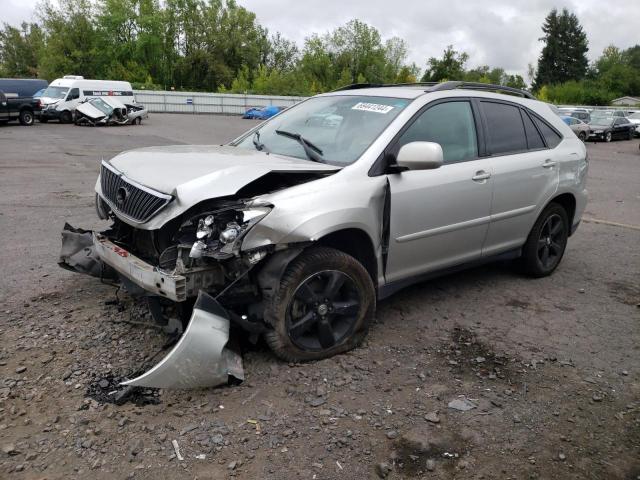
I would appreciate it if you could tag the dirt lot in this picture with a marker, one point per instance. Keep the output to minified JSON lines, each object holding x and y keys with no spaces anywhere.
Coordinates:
{"x":551,"y":366}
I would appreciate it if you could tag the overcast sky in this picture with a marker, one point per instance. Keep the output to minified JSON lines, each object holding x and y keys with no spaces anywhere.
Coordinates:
{"x":493,"y":32}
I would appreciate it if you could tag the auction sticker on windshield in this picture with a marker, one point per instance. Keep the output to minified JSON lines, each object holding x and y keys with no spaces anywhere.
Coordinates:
{"x":372,"y":107}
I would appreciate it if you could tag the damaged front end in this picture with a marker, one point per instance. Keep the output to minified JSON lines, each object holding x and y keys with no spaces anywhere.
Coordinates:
{"x":200,"y":253}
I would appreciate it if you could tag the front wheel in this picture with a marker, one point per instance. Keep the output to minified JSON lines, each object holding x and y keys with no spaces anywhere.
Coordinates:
{"x":582,"y":136}
{"x":323,"y":306}
{"x":66,"y":117}
{"x":607,"y":137}
{"x":630,"y":137}
{"x":547,"y":241}
{"x":26,"y":118}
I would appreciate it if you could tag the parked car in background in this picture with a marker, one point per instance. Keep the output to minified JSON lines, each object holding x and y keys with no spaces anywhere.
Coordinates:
{"x":22,"y":87}
{"x":580,"y":128}
{"x":296,"y":228}
{"x":579,"y":113}
{"x":108,"y":111}
{"x":634,"y":118}
{"x":14,"y":107}
{"x":63,"y":95}
{"x":611,"y":128}
{"x":262,"y":113}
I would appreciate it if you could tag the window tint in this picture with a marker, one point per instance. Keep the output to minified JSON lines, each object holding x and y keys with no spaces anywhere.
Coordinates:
{"x":550,"y":135}
{"x":73,"y":94}
{"x":506,"y":130}
{"x":451,"y":125}
{"x":534,"y":140}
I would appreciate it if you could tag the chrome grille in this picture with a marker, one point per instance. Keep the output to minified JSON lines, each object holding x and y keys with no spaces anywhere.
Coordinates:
{"x":132,"y":200}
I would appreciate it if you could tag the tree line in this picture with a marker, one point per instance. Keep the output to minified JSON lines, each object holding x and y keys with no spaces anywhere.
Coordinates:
{"x":218,"y":45}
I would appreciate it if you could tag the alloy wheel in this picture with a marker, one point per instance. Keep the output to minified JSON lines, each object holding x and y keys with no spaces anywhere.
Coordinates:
{"x":323,"y":310}
{"x":551,"y":241}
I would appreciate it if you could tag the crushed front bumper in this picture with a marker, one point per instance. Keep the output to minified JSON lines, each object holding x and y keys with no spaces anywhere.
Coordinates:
{"x":143,"y":274}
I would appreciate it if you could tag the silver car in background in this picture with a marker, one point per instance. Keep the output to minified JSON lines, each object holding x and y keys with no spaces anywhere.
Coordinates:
{"x":578,"y":127}
{"x":295,"y":229}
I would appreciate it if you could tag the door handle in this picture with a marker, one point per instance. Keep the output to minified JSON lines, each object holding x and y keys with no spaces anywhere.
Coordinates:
{"x":481,"y":176}
{"x":548,"y":163}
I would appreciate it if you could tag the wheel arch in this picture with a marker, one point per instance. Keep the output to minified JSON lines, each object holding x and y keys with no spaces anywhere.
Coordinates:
{"x":568,"y":201}
{"x":358,"y":244}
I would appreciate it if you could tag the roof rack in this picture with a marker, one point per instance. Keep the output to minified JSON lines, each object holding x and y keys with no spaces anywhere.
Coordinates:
{"x":480,"y":86}
{"x":441,"y":86}
{"x":356,"y":86}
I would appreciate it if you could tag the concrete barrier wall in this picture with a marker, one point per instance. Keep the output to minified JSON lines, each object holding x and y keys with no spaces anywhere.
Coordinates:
{"x":200,"y":102}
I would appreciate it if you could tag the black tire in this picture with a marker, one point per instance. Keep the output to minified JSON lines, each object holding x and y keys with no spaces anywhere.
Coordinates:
{"x":26,"y":118}
{"x":608,"y":137}
{"x":630,"y":137}
{"x":43,"y":119}
{"x":547,"y":242}
{"x":582,"y":136}
{"x":66,"y":117}
{"x":305,"y":325}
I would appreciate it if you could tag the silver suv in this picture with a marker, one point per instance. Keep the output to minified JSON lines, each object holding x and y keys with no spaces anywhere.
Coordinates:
{"x":295,"y":229}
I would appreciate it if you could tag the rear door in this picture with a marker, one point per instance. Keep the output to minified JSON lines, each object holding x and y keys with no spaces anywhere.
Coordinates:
{"x":439,"y":217}
{"x":525,"y":171}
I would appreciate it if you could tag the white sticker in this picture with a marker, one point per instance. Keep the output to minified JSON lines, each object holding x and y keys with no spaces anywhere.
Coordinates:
{"x":372,"y":107}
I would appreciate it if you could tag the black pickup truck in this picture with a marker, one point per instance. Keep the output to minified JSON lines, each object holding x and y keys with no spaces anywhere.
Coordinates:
{"x":13,"y":107}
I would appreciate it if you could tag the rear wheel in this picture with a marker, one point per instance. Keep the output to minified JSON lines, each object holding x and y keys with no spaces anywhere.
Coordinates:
{"x":66,"y":117}
{"x":26,"y":117}
{"x":322,"y":306}
{"x":547,"y":241}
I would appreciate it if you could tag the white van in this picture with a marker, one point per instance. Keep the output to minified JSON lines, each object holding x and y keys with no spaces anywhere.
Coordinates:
{"x":63,"y":95}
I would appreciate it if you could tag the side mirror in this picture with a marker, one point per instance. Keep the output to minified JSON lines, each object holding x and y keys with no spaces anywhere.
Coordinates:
{"x":420,"y":156}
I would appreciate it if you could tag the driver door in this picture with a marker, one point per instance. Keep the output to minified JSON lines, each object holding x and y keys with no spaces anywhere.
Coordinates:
{"x":439,"y":218}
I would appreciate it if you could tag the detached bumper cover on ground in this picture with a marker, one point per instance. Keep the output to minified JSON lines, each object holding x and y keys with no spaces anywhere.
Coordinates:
{"x":200,"y":359}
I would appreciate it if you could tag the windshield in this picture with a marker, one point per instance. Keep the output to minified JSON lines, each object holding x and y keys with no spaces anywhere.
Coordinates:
{"x":341,"y":127}
{"x":101,"y":105}
{"x":55,"y":92}
{"x":601,"y":118}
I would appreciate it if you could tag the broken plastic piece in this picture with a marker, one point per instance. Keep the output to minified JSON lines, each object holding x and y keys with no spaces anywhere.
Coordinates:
{"x":78,"y":253}
{"x":199,"y":359}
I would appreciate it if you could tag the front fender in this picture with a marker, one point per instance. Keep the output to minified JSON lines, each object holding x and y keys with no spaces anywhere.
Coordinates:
{"x":310,"y":215}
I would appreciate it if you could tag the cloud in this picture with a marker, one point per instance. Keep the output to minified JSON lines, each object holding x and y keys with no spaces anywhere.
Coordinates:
{"x":499,"y":33}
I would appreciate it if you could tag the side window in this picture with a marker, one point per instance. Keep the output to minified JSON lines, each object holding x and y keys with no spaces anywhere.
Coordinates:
{"x":74,"y":93}
{"x":549,"y":134}
{"x":534,"y":140}
{"x":506,"y":130}
{"x":450,"y":124}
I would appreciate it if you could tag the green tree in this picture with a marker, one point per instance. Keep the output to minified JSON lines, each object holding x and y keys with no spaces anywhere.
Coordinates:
{"x":71,"y":39}
{"x":20,"y":50}
{"x":564,"y":55}
{"x":449,"y":67}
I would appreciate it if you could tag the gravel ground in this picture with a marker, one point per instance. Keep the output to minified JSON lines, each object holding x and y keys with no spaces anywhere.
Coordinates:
{"x":548,"y":369}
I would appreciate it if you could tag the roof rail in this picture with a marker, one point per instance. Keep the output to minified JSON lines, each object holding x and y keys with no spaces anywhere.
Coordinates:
{"x":480,"y":86}
{"x":441,"y":86}
{"x":356,"y":86}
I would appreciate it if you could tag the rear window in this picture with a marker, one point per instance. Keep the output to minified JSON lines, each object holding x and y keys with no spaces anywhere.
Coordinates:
{"x":534,"y":140}
{"x":506,"y":130}
{"x":550,"y":135}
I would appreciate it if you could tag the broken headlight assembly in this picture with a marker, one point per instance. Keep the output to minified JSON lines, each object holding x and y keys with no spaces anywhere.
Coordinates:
{"x":219,"y":234}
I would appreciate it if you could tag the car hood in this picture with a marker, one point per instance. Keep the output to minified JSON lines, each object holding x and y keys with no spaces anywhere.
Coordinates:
{"x":195,"y":173}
